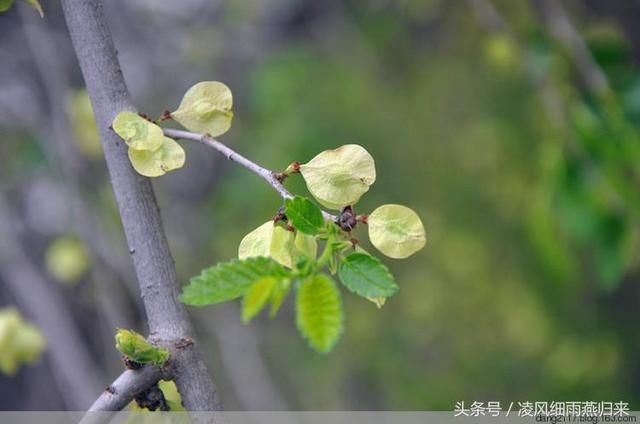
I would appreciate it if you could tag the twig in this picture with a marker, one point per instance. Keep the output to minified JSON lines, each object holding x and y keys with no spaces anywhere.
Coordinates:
{"x":128,"y":385}
{"x":167,"y":317}
{"x":232,"y":155}
{"x":556,"y":19}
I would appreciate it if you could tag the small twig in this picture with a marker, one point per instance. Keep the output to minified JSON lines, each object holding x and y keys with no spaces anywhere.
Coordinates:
{"x":127,"y":386}
{"x":264,"y":173}
{"x":557,"y":20}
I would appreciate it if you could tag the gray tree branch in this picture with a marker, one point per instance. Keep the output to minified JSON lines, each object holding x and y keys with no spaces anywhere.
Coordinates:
{"x":167,"y":318}
{"x":555,"y":17}
{"x":129,"y":384}
{"x":232,"y":155}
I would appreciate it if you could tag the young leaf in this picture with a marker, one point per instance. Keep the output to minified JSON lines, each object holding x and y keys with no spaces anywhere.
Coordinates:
{"x":171,"y":394}
{"x":137,"y":132}
{"x":305,"y":216}
{"x":137,"y":348}
{"x":319,"y":312}
{"x":5,"y":5}
{"x":256,"y":297}
{"x":229,"y":280}
{"x":206,"y":108}
{"x":366,"y":276}
{"x":339,"y":177}
{"x":396,"y":231}
{"x":268,"y":240}
{"x":169,"y":156}
{"x":278,"y":295}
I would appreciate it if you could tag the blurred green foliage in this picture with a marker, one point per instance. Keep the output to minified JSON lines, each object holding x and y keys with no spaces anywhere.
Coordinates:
{"x":527,"y":182}
{"x":533,"y":225}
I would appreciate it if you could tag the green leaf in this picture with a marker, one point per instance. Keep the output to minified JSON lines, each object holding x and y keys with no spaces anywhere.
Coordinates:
{"x":366,"y":276}
{"x":169,"y":156}
{"x":36,"y":5}
{"x":319,"y":314}
{"x":305,"y":216}
{"x":20,"y":341}
{"x":206,"y":108}
{"x":278,"y":295}
{"x":137,"y":348}
{"x":171,"y":394}
{"x":256,"y":297}
{"x":396,"y":231}
{"x":229,"y":280}
{"x":137,"y":132}
{"x":339,"y":177}
{"x":6,"y":5}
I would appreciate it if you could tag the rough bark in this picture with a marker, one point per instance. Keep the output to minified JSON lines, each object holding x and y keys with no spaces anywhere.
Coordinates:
{"x":167,"y":317}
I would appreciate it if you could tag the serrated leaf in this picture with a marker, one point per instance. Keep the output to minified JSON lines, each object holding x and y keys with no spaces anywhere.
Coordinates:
{"x":278,"y":295}
{"x":229,"y":280}
{"x":169,"y":156}
{"x":306,"y":245}
{"x":366,"y":276}
{"x":137,"y":132}
{"x":396,"y":231}
{"x":36,"y":5}
{"x":268,"y":240}
{"x":256,"y":297}
{"x":339,"y":177}
{"x":136,"y":347}
{"x":305,"y":216}
{"x":6,"y":5}
{"x":206,"y":108}
{"x":319,"y":315}
{"x":20,"y":341}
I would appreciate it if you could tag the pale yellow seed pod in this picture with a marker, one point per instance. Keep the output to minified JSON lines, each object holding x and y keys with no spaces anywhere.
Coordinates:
{"x":339,"y":177}
{"x":396,"y":231}
{"x":137,"y":132}
{"x":206,"y":108}
{"x":156,"y":163}
{"x":268,"y":240}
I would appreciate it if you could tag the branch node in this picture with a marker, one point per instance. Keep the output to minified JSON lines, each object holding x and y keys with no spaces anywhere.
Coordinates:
{"x":184,"y":343}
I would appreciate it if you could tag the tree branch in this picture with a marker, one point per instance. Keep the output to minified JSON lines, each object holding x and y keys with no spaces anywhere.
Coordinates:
{"x":232,"y":155}
{"x":556,"y":19}
{"x":167,"y":317}
{"x":128,"y":385}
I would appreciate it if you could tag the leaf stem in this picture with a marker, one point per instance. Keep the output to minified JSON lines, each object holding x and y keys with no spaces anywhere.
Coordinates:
{"x":264,"y":173}
{"x":326,"y":253}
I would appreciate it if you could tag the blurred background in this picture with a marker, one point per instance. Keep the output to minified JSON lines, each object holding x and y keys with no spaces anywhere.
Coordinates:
{"x":512,"y":127}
